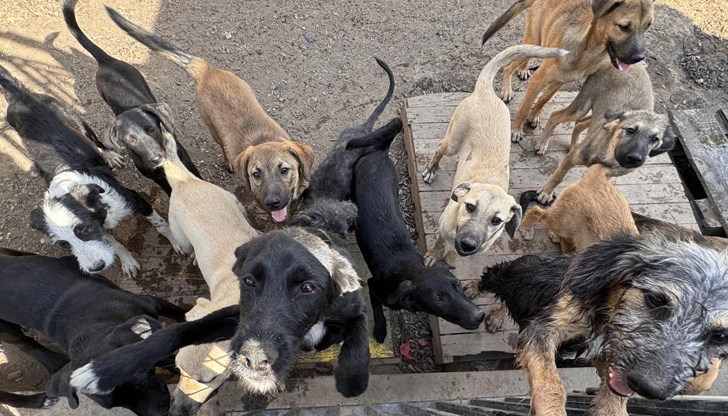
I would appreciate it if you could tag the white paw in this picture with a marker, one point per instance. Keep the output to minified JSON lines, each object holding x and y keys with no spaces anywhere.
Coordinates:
{"x":142,"y":328}
{"x":545,"y":197}
{"x":85,"y":380}
{"x":177,"y":248}
{"x":506,"y":95}
{"x":527,"y":234}
{"x":523,"y":74}
{"x":194,"y":259}
{"x":430,"y":259}
{"x":49,"y":402}
{"x":541,"y":147}
{"x":130,"y":266}
{"x":516,"y":136}
{"x":534,"y":121}
{"x":429,"y":175}
{"x":113,"y":159}
{"x":554,"y":238}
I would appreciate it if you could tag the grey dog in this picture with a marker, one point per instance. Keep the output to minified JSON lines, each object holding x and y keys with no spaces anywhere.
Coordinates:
{"x":651,"y":310}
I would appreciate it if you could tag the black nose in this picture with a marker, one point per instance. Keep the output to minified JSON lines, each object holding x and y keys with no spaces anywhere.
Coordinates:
{"x":636,"y":58}
{"x":97,"y":267}
{"x":273,"y":203}
{"x":646,"y":386}
{"x":478,"y":318}
{"x":468,"y":245}
{"x":257,"y":364}
{"x":635,"y":158}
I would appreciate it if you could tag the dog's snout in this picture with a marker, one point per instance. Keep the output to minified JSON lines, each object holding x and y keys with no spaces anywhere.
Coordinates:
{"x":255,"y":364}
{"x":647,"y":386}
{"x":257,"y":357}
{"x":477,"y":319}
{"x":468,"y":244}
{"x":636,"y":57}
{"x":97,"y":266}
{"x":273,"y":202}
{"x":635,"y":158}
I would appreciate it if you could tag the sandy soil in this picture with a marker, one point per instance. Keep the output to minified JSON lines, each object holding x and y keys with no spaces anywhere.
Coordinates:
{"x":311,"y":64}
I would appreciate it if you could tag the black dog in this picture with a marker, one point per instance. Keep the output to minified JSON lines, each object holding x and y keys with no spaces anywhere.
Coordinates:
{"x":290,"y":281}
{"x":83,"y":200}
{"x":324,"y":201}
{"x":400,"y":280}
{"x":85,"y":317}
{"x":139,"y":117}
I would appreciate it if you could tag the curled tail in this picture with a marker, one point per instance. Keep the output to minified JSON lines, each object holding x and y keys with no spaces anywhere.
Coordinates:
{"x":506,"y":17}
{"x":151,"y":40}
{"x":381,"y":137}
{"x":69,"y":15}
{"x":390,"y":92}
{"x":9,"y":83}
{"x":531,"y":196}
{"x":485,"y":79}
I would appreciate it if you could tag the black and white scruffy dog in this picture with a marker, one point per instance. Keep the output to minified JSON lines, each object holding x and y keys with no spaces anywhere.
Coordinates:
{"x":83,"y":201}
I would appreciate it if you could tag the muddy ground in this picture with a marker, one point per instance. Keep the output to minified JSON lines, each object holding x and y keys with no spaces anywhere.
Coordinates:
{"x":310,"y":62}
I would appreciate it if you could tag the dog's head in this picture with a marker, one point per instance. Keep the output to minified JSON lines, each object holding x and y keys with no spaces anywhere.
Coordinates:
{"x":326,"y":214}
{"x":483,"y":212}
{"x":622,"y":25}
{"x":637,"y":135}
{"x":288,"y":280}
{"x":663,"y":310}
{"x":140,"y":131}
{"x":76,"y":218}
{"x":438,"y":292}
{"x":276,"y":173}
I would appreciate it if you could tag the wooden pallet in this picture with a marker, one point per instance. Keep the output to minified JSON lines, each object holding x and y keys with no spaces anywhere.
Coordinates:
{"x":654,"y":190}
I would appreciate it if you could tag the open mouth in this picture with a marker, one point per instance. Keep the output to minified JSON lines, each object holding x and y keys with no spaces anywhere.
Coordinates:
{"x":617,"y":384}
{"x":616,"y":62}
{"x":280,"y":215}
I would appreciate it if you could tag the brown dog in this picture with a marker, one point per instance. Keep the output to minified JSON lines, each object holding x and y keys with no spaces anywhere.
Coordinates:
{"x":480,"y":207}
{"x":274,"y":168}
{"x":588,"y":211}
{"x":608,"y":30}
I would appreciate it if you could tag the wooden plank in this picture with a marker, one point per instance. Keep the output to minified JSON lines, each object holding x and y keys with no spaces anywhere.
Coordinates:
{"x":474,"y":343}
{"x":454,"y":98}
{"x":709,"y":217}
{"x":414,"y":185}
{"x":706,"y":145}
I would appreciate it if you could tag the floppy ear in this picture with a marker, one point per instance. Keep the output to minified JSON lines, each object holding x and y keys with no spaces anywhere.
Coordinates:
{"x":405,"y":296}
{"x":668,"y":142}
{"x":512,"y":224}
{"x":111,"y":138}
{"x":344,"y":274}
{"x":460,"y":191}
{"x":304,"y":155}
{"x":163,"y":113}
{"x":604,"y":7}
{"x":59,"y":386}
{"x":37,"y":220}
{"x":240,"y":167}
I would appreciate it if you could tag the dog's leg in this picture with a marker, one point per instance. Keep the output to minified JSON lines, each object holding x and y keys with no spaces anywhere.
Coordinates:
{"x":546,"y":192}
{"x":548,"y":397}
{"x":143,"y":207}
{"x":704,"y":381}
{"x":12,"y":334}
{"x":179,"y":234}
{"x":579,"y":127}
{"x":535,"y":86}
{"x":129,"y":265}
{"x":534,"y":116}
{"x":163,"y":228}
{"x":562,"y":116}
{"x":532,"y":216}
{"x":352,"y":374}
{"x":380,"y":322}
{"x":437,"y":251}
{"x":506,"y":93}
{"x":448,"y":146}
{"x":27,"y":401}
{"x":496,"y":319}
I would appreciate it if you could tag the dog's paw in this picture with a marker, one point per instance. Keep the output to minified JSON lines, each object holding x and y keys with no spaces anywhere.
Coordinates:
{"x":429,"y":175}
{"x":534,"y":121}
{"x":113,"y":159}
{"x":429,"y":259}
{"x":130,"y":267}
{"x":527,"y":234}
{"x":516,"y":135}
{"x":506,"y":95}
{"x":380,"y":333}
{"x":49,"y":402}
{"x":351,"y":383}
{"x":470,"y":289}
{"x":554,"y":238}
{"x":493,"y":323}
{"x":545,"y":197}
{"x":194,"y":259}
{"x":178,"y":248}
{"x":142,"y":327}
{"x":542,"y":146}
{"x":523,"y":74}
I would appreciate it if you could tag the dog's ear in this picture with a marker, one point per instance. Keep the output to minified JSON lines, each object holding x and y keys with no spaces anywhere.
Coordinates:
{"x":303,"y":154}
{"x":668,"y":142}
{"x":604,"y":7}
{"x":405,"y":295}
{"x":59,"y":386}
{"x":37,"y":220}
{"x":163,"y":113}
{"x":460,"y":191}
{"x":512,"y":224}
{"x":344,"y":274}
{"x":240,"y":167}
{"x":111,"y":139}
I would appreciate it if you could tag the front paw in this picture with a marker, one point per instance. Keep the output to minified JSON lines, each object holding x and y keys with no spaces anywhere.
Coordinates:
{"x":534,"y":121}
{"x":545,"y":197}
{"x":516,"y":135}
{"x":527,"y":233}
{"x":130,"y":267}
{"x":506,"y":95}
{"x":351,"y":383}
{"x":554,"y":238}
{"x":380,"y":333}
{"x":542,"y":146}
{"x":493,"y":323}
{"x":523,"y":74}
{"x":113,"y":159}
{"x":429,"y":175}
{"x":470,"y":289}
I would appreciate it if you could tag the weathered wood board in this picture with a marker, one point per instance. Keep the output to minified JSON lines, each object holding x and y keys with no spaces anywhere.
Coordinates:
{"x":654,"y":190}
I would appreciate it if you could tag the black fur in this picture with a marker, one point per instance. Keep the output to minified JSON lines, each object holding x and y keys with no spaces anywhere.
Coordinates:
{"x":273,"y":310}
{"x":400,"y":280}
{"x":70,"y":315}
{"x":139,"y":117}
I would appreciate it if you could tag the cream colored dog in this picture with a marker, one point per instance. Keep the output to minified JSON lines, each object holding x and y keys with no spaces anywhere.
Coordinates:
{"x":210,"y":222}
{"x":479,"y":133}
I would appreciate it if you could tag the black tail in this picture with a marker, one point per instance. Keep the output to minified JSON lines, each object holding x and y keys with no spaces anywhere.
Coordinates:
{"x":502,"y":20}
{"x":526,"y":198}
{"x":381,"y":137}
{"x":9,"y":83}
{"x":150,"y":40}
{"x":390,"y":92}
{"x":69,"y":15}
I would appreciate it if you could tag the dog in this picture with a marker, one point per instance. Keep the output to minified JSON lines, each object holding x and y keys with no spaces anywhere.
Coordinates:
{"x":597,"y":32}
{"x":588,"y":211}
{"x":651,"y":312}
{"x":86,"y":317}
{"x":325,"y":203}
{"x":293,"y":283}
{"x":84,"y":201}
{"x":400,"y":279}
{"x":480,"y":207}
{"x":622,"y":143}
{"x":272,"y":167}
{"x":139,"y":116}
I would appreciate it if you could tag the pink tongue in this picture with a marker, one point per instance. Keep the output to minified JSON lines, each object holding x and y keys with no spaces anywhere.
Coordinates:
{"x":616,"y":383}
{"x":621,"y":65}
{"x":280,"y":215}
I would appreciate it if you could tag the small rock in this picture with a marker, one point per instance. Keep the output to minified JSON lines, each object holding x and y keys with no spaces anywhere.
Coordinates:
{"x":228,"y":35}
{"x":310,"y":38}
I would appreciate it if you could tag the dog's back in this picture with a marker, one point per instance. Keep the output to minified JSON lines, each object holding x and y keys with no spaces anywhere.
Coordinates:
{"x":617,"y":91}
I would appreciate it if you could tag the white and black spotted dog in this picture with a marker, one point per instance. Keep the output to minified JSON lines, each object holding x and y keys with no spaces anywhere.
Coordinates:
{"x":84,"y":201}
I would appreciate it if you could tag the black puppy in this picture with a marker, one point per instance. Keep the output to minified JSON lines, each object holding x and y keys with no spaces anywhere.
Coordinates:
{"x":84,"y":200}
{"x":324,"y":201}
{"x":85,"y":317}
{"x":138,"y":115}
{"x":290,"y":281}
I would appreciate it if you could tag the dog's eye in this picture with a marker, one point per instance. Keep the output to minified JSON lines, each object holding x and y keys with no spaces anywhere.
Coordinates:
{"x":630,"y":130}
{"x":656,"y":300}
{"x":623,"y":28}
{"x":496,"y":221}
{"x":307,"y":288}
{"x":256,"y":174}
{"x":655,"y":138}
{"x":470,"y":207}
{"x":285,"y":170}
{"x":719,"y":337}
{"x":149,"y":129}
{"x":249,"y":281}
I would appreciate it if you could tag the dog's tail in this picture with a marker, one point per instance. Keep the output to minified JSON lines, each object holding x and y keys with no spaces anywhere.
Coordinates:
{"x":381,"y":137}
{"x":485,"y":79}
{"x":513,"y":11}
{"x":7,"y":82}
{"x":69,"y":15}
{"x":174,"y":169}
{"x":151,"y":40}
{"x":526,"y":198}
{"x":390,"y":92}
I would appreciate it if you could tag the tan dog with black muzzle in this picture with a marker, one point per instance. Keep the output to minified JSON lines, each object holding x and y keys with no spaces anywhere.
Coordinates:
{"x":274,"y":168}
{"x":479,"y":131}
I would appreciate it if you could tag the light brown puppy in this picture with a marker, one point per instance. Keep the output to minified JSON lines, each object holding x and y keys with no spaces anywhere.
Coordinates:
{"x":480,"y":207}
{"x":588,"y":211}
{"x":596,"y":32}
{"x":274,"y":168}
{"x":604,"y":91}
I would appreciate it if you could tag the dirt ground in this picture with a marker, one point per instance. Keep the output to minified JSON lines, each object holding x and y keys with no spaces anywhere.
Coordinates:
{"x":311,"y":65}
